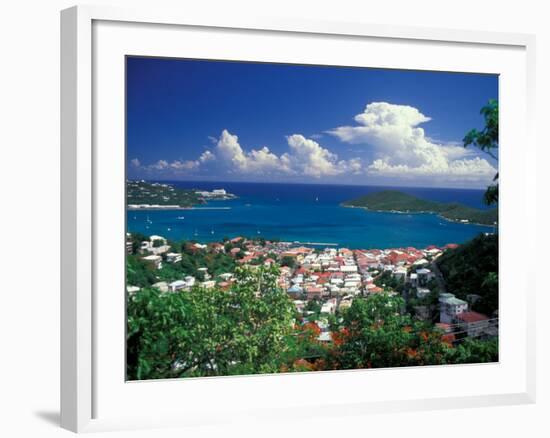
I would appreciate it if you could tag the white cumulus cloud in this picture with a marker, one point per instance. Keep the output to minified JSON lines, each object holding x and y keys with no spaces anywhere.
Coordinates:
{"x":401,"y":148}
{"x":176,"y":166}
{"x":232,"y":155}
{"x":305,"y":157}
{"x":135,"y":162}
{"x":207,"y":156}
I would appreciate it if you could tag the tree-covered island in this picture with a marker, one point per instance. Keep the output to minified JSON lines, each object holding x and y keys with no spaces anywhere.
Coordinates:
{"x":146,"y":194}
{"x":398,"y":202}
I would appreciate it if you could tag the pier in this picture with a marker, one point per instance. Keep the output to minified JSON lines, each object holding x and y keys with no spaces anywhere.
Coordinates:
{"x":315,"y":243}
{"x":172,"y":207}
{"x":208,"y":208}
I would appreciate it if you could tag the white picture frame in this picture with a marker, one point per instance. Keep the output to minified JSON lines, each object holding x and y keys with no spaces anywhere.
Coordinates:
{"x":83,"y":189}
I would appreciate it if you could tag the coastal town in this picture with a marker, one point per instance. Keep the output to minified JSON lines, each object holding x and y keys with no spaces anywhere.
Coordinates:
{"x":322,"y":282}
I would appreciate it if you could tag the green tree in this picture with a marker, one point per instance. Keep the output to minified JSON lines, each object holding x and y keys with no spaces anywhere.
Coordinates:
{"x":138,"y":272}
{"x":472,"y":269}
{"x":136,"y":239}
{"x":288,"y":261}
{"x":487,"y":141}
{"x":475,"y":351}
{"x":208,"y":332}
{"x":375,"y":334}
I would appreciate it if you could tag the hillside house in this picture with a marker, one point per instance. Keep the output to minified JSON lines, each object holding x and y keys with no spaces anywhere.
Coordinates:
{"x":450,"y":307}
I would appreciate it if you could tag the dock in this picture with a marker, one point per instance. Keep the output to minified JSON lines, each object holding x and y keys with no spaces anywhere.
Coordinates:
{"x":172,"y":207}
{"x":208,"y":208}
{"x":315,"y":243}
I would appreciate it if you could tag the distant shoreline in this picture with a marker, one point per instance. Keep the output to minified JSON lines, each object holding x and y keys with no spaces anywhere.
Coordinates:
{"x":418,"y":212}
{"x":172,"y":207}
{"x":393,"y":201}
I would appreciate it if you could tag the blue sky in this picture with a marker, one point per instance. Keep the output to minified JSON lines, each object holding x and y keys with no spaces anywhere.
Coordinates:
{"x":208,"y":120}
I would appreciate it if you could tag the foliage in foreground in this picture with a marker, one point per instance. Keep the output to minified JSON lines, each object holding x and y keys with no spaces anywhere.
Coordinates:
{"x":208,"y":331}
{"x":486,"y":140}
{"x":252,"y":328}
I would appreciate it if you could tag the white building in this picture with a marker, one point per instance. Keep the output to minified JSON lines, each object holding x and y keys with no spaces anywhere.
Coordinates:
{"x":155,"y":245}
{"x":329,"y":306}
{"x":190,"y":280}
{"x":155,"y":237}
{"x":400,"y":274}
{"x":352,"y":284}
{"x":299,"y":305}
{"x":420,"y":262}
{"x":422,"y":292}
{"x":162,"y":286}
{"x":450,"y":307}
{"x":204,"y":272}
{"x":173,"y":257}
{"x":155,"y":260}
{"x":132,"y":289}
{"x":433,"y":251}
{"x":424,"y":275}
{"x":178,"y":285}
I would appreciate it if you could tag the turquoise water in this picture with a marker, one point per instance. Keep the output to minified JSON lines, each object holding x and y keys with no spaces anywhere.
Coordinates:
{"x":309,"y":213}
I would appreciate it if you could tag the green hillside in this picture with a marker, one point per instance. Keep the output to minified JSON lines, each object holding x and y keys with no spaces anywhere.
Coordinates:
{"x":396,"y":201}
{"x":472,"y":268}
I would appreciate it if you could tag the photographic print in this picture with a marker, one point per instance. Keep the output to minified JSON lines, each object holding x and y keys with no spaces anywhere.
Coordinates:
{"x":304,"y":218}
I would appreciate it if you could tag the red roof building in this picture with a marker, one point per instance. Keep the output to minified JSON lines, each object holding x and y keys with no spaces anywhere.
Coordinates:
{"x":475,"y":324}
{"x":313,"y":292}
{"x":472,"y":317}
{"x":246,"y":259}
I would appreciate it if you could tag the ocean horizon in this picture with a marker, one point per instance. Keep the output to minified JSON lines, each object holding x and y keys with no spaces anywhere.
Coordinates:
{"x":309,"y":213}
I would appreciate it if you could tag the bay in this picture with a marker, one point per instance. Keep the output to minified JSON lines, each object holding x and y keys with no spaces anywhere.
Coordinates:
{"x":309,"y":213}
